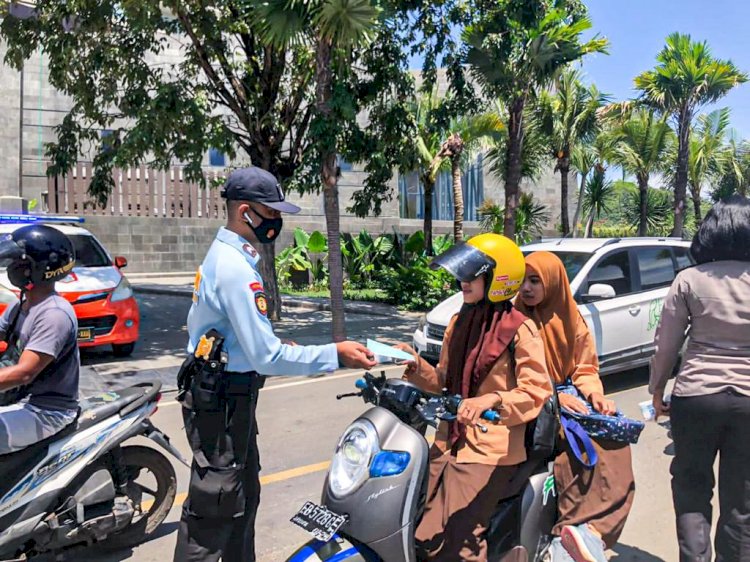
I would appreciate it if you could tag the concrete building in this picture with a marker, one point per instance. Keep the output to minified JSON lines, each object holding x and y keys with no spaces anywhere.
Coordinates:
{"x":30,"y":108}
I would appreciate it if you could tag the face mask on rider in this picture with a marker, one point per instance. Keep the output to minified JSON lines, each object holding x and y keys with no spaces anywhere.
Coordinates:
{"x":268,"y":229}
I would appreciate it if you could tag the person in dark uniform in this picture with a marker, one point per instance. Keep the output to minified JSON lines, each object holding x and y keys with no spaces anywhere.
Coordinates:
{"x":232,"y":347}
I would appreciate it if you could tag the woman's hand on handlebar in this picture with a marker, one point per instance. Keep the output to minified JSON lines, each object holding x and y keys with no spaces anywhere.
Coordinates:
{"x":570,"y":402}
{"x":470,"y":410}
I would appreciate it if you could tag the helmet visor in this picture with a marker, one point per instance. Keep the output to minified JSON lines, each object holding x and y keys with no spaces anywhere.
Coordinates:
{"x":9,"y":251}
{"x":464,"y":262}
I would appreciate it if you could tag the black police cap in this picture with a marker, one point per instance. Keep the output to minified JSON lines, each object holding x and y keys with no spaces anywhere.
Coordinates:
{"x":256,"y":184}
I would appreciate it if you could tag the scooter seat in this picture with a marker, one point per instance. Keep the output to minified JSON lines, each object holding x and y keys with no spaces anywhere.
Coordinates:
{"x":14,"y":466}
{"x":102,"y":406}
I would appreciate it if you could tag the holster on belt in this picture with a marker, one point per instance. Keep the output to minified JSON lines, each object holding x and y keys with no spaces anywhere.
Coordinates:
{"x":203,"y":374}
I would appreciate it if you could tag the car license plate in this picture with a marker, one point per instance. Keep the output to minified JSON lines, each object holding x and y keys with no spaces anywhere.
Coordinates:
{"x":85,"y":334}
{"x":319,"y":521}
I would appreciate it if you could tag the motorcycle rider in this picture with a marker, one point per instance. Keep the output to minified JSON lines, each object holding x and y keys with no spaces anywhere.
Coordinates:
{"x":234,"y":346}
{"x":494,"y":357}
{"x":41,"y":364}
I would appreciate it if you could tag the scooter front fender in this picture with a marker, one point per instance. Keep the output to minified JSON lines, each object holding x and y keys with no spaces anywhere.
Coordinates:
{"x":338,"y":549}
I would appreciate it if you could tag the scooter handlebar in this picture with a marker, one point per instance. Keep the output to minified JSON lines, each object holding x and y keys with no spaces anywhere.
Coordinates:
{"x":491,"y":415}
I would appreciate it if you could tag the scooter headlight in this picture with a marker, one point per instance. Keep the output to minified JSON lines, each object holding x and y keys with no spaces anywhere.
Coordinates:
{"x":351,"y":461}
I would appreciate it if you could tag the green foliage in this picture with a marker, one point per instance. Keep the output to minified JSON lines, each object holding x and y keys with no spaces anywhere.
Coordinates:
{"x":363,"y":254}
{"x":306,"y":254}
{"x":530,"y":218}
{"x":614,"y":231}
{"x":416,"y":286}
{"x":658,"y":211}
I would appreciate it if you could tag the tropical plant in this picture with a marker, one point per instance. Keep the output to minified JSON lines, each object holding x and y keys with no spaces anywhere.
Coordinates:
{"x":709,"y":154}
{"x":467,"y":135}
{"x":642,"y":142}
{"x":596,"y":198}
{"x":735,"y":176}
{"x":686,"y":77}
{"x":514,"y":49}
{"x":530,"y":221}
{"x":658,"y":211}
{"x":363,"y":254}
{"x":569,"y":117}
{"x":306,"y":254}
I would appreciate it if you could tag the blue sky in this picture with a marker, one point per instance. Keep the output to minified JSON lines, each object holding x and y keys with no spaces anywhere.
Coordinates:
{"x":636,"y":30}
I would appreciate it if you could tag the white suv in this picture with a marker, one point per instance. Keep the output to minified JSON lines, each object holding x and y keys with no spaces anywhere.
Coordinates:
{"x":619,"y":285}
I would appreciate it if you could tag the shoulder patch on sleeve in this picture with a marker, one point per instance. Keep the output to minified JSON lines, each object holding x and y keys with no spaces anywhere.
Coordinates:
{"x":256,"y":287}
{"x":261,"y":303}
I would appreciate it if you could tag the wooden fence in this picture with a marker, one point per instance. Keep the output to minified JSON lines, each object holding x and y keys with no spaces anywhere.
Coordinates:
{"x":138,"y":192}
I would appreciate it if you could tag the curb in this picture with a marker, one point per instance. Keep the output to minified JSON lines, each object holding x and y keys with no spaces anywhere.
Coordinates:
{"x":286,"y":303}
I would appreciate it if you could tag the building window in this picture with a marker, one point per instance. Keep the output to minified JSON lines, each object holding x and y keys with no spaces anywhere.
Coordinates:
{"x":107,"y":136}
{"x":343,"y":165}
{"x":411,"y":194}
{"x":217,"y":158}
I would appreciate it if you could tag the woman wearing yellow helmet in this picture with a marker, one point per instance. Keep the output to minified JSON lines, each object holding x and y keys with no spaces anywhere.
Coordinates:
{"x":470,"y":470}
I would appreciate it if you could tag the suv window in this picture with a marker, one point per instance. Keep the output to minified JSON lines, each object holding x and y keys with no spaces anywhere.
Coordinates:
{"x":573,"y":261}
{"x":613,"y":270}
{"x":683,"y":257}
{"x":656,"y":267}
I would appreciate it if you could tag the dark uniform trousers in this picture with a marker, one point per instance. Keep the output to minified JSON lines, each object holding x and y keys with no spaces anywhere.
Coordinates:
{"x":702,"y":427}
{"x":218,"y":517}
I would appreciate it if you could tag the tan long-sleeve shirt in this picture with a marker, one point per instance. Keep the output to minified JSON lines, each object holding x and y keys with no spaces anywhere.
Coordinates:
{"x":523,"y":394}
{"x":712,"y":300}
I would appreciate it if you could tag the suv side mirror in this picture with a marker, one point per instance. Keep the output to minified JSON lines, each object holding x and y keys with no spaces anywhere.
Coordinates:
{"x":599,"y":291}
{"x":120,"y":262}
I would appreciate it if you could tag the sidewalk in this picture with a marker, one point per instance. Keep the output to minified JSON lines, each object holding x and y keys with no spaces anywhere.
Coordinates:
{"x":181,"y":284}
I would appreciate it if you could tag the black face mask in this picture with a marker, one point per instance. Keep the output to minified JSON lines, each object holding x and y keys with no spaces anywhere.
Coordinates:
{"x":266,"y":225}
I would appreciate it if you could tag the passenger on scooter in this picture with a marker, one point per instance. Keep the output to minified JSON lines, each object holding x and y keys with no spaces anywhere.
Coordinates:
{"x":593,"y":503}
{"x":41,"y":364}
{"x":470,"y":471}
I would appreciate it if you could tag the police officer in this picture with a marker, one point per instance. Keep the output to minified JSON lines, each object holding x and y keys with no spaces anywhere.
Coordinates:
{"x":231,"y":345}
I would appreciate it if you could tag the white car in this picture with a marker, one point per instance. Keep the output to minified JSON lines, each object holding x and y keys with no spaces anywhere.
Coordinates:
{"x":101,"y":295}
{"x":619,"y":285}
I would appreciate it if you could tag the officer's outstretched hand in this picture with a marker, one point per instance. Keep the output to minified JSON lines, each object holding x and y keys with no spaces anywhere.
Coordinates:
{"x":355,"y":355}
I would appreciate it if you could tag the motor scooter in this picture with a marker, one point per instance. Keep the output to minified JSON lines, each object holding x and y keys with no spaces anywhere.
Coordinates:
{"x":374,"y":493}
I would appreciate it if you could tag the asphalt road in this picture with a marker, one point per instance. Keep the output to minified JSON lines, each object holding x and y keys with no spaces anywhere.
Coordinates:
{"x":300,"y":422}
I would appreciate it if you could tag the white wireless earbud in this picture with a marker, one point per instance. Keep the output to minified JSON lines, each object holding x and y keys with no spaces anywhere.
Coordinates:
{"x":248,"y":219}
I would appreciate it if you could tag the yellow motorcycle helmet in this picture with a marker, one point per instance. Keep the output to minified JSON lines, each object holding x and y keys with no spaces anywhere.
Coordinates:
{"x":493,"y":255}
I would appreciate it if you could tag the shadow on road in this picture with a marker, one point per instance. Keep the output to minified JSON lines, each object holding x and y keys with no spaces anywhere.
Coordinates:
{"x":99,"y":554}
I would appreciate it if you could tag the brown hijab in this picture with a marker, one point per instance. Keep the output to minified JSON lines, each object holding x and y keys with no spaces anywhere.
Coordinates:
{"x":481,"y":334}
{"x":556,"y":317}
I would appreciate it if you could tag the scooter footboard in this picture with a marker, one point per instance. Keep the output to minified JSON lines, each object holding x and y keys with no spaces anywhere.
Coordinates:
{"x":335,"y":550}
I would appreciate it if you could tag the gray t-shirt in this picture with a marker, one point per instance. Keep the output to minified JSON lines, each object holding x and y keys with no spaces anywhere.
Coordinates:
{"x":49,"y":327}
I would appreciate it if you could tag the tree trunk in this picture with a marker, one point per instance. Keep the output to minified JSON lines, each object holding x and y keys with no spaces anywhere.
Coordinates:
{"x":697,"y":205}
{"x":323,"y":94}
{"x":513,"y":163}
{"x":564,"y":167}
{"x":429,"y":187}
{"x":681,"y":177}
{"x":589,"y":226}
{"x":579,"y":204}
{"x":458,"y":201}
{"x":643,"y":204}
{"x":267,"y":268}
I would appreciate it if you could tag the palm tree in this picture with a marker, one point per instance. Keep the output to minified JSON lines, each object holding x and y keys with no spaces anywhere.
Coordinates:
{"x":514,"y":50}
{"x":709,"y":154}
{"x":431,"y":161}
{"x":596,"y":197}
{"x":467,"y":135}
{"x":334,"y":30}
{"x":686,"y":77}
{"x":735,"y":176}
{"x":642,"y":142}
{"x":569,"y":117}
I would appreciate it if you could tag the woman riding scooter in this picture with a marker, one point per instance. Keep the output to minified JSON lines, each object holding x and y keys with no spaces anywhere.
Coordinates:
{"x":494,"y":357}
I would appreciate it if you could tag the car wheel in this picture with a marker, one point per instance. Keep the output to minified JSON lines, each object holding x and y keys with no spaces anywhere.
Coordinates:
{"x":123,"y":350}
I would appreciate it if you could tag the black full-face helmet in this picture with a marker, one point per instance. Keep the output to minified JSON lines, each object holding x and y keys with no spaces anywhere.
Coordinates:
{"x":36,"y":254}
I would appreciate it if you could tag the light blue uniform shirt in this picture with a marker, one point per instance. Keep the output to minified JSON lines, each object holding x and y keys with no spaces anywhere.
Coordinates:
{"x":228,"y":297}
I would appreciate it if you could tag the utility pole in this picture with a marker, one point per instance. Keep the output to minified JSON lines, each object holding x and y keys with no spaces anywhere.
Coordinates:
{"x":20,"y":138}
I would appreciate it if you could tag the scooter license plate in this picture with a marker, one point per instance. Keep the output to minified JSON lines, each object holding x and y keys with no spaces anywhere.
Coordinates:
{"x":319,"y":521}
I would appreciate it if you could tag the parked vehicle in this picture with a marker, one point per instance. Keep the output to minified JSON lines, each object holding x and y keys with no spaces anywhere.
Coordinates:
{"x":83,"y":486}
{"x":374,"y":493}
{"x":619,"y":285}
{"x":101,"y":295}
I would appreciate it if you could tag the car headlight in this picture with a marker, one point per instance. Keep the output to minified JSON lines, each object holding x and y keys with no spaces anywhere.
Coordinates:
{"x":351,"y":461}
{"x":122,"y":291}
